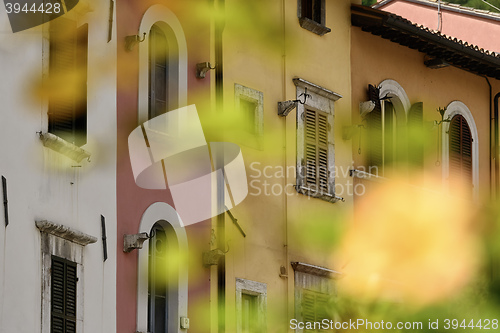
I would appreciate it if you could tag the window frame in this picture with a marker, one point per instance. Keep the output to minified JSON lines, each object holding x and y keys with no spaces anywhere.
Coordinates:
{"x":321,"y":100}
{"x":252,"y":288}
{"x":166,"y":20}
{"x":312,"y":278}
{"x":79,"y":108}
{"x":68,"y":244}
{"x":242,"y":93}
{"x":167,"y":217}
{"x":317,"y":22}
{"x":452,"y":109}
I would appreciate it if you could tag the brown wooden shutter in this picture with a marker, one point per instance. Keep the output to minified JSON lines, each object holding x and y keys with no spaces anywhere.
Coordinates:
{"x":460,"y":149}
{"x":374,"y":119}
{"x":316,"y":150}
{"x":314,"y":307}
{"x":63,"y":296}
{"x":415,"y":138}
{"x":62,"y":65}
{"x":68,"y":66}
{"x":81,"y":98}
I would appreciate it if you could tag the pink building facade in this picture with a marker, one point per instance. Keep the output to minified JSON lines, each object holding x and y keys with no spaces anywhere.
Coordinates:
{"x":474,"y":26}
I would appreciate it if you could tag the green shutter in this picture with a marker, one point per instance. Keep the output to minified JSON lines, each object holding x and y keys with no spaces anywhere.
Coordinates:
{"x":314,"y":307}
{"x":416,"y":135}
{"x":316,"y":150}
{"x":63,"y":296}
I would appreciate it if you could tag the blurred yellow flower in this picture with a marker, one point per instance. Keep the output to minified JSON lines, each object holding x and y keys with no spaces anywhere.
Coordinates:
{"x":418,"y":246}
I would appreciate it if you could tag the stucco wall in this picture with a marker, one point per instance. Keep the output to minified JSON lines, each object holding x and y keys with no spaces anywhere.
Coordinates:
{"x":45,"y":185}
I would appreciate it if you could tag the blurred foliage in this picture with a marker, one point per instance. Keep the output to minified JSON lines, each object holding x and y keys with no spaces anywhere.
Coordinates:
{"x":369,"y":2}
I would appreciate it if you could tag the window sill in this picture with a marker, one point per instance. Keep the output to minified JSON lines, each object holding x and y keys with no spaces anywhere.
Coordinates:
{"x":62,"y":146}
{"x":315,"y":194}
{"x":313,"y":26}
{"x":354,"y":173}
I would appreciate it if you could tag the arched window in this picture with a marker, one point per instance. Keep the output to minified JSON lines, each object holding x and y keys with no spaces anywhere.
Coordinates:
{"x":158,"y":72}
{"x":157,"y":281}
{"x":162,"y":280}
{"x":460,"y":150}
{"x":387,"y":126}
{"x":162,"y":64}
{"x":460,"y":147}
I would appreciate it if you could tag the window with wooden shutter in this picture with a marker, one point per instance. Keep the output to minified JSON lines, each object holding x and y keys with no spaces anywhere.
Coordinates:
{"x":314,"y":307}
{"x":316,"y":151}
{"x":67,"y":114}
{"x":63,"y":296}
{"x":415,"y":135}
{"x":460,"y":150}
{"x":158,"y":72}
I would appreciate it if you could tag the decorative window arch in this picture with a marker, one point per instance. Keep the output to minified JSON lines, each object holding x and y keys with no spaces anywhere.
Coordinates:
{"x":164,"y":20}
{"x":161,"y":215}
{"x":387,"y":124}
{"x":399,"y":99}
{"x":453,"y":109}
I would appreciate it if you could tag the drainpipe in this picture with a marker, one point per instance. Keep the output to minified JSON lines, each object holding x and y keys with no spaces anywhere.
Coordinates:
{"x":221,"y":237}
{"x":492,"y":131}
{"x":495,"y":145}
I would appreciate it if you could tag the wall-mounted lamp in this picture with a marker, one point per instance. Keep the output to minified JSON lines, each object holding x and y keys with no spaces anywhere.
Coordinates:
{"x":132,"y":242}
{"x":284,"y":108}
{"x":130,"y":41}
{"x":435,"y":63}
{"x":441,"y":112}
{"x":202,"y":68}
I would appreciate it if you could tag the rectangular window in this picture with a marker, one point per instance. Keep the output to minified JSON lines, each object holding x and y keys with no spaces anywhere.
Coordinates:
{"x":314,"y":294}
{"x":63,"y":296}
{"x":311,"y":15}
{"x":315,"y":140}
{"x":249,"y":106}
{"x":251,"y":306}
{"x":68,"y":53}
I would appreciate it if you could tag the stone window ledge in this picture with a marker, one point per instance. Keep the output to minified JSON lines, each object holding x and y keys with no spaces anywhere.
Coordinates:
{"x":313,"y":26}
{"x":64,"y":147}
{"x":65,"y":232}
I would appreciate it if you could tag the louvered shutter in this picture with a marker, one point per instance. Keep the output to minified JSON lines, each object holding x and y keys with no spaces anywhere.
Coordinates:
{"x":68,"y":66}
{"x":316,"y":150}
{"x":374,"y":119}
{"x":416,"y":140}
{"x":460,"y":150}
{"x":314,"y":307}
{"x":63,"y":296}
{"x":62,"y":65}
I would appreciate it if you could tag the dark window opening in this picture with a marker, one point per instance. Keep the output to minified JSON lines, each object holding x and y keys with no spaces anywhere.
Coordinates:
{"x":68,"y":63}
{"x":157,"y":284}
{"x":158,"y":72}
{"x":311,"y":9}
